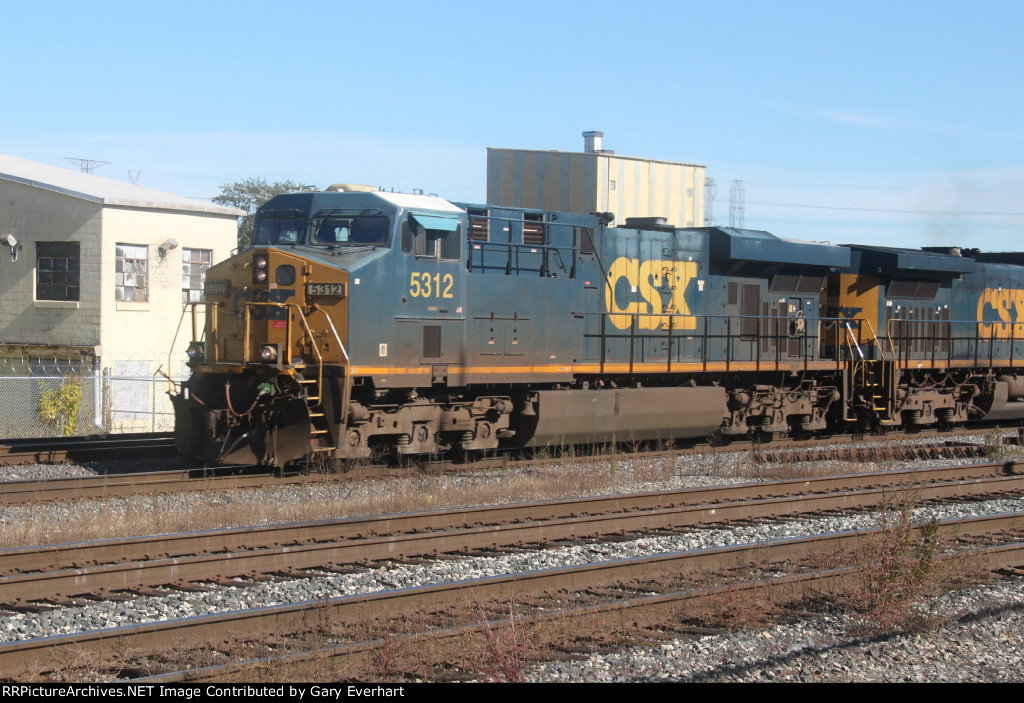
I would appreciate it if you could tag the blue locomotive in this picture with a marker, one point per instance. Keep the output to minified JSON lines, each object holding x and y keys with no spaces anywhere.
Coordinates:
{"x":360,"y":322}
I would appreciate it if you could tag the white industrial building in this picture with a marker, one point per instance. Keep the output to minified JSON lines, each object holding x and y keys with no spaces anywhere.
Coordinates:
{"x":597,"y":180}
{"x":94,"y":273}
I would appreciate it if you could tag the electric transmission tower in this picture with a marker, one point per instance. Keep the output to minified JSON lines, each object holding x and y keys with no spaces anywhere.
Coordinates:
{"x":710,"y":191}
{"x":737,"y":195}
{"x":133,"y":177}
{"x":86,"y":165}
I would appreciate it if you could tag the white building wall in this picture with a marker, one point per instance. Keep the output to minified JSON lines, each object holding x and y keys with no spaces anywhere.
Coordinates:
{"x":144,"y":331}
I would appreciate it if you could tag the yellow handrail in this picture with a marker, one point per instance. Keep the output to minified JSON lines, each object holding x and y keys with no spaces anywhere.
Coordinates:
{"x":347,"y":391}
{"x":313,"y":344}
{"x":195,"y":332}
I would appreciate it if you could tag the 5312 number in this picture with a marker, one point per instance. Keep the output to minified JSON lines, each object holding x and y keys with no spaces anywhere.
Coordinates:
{"x":425,"y":285}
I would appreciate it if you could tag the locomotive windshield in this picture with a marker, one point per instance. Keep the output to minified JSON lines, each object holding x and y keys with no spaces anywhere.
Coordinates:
{"x":358,"y":230}
{"x":279,"y":230}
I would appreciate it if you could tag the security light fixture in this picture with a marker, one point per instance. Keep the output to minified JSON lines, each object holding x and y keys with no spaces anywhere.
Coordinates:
{"x":11,"y":241}
{"x":166,"y":247}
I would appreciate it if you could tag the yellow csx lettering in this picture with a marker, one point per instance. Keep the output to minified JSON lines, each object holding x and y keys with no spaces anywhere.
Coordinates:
{"x":648,"y":279}
{"x":1008,"y":306}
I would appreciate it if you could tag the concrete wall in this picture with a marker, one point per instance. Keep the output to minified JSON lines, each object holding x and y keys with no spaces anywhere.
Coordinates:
{"x":35,"y":215}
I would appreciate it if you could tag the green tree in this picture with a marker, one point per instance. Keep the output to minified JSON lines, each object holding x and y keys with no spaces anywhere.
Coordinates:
{"x":248,"y":195}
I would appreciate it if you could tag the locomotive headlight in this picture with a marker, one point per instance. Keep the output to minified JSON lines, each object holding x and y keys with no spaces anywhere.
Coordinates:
{"x":260,"y":266}
{"x":196,"y":351}
{"x":268,"y":352}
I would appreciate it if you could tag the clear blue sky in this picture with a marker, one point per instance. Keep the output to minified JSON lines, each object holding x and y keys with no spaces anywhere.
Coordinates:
{"x":876,"y":122}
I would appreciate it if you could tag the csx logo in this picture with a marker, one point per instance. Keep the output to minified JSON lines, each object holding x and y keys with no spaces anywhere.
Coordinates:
{"x":264,"y":312}
{"x":661,"y":289}
{"x":1007,"y":306}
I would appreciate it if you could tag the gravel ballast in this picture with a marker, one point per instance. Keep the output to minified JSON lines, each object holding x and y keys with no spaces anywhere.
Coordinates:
{"x":980,"y":641}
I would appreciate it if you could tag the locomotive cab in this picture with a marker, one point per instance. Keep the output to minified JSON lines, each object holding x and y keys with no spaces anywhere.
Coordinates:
{"x":272,"y":370}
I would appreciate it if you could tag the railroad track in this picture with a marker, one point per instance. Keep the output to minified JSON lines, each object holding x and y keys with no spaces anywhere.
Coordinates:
{"x":565,"y":583}
{"x":61,"y":449}
{"x":642,"y":590}
{"x":221,"y":478}
{"x":99,"y":567}
{"x":142,"y":483}
{"x":130,"y":564}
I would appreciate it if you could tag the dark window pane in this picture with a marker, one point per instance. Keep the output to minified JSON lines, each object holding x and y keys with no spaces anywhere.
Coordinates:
{"x":57,"y":266}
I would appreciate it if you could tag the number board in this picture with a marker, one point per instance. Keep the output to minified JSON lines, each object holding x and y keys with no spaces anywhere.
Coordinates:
{"x":215,"y":287}
{"x":328,"y":290}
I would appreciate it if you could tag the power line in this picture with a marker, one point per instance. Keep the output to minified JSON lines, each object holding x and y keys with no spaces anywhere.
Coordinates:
{"x":888,"y":186}
{"x":973,"y":213}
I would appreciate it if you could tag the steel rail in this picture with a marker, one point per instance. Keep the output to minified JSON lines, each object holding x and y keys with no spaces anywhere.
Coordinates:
{"x":13,"y":492}
{"x":143,"y":483}
{"x":55,"y":449}
{"x":24,"y":559}
{"x":47,"y":653}
{"x":358,"y":656}
{"x":218,"y":566}
{"x":222,"y":542}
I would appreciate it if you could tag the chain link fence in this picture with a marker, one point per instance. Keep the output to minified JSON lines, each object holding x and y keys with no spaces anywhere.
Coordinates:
{"x":67,"y":399}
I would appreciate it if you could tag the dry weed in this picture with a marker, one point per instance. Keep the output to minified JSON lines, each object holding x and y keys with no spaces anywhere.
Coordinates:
{"x":732,"y":608}
{"x":900,"y":566}
{"x":506,"y":651}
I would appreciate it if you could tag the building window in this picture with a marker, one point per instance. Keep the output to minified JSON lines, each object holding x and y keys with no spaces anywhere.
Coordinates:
{"x":194,"y":265}
{"x":57,"y":267}
{"x":131,"y":278}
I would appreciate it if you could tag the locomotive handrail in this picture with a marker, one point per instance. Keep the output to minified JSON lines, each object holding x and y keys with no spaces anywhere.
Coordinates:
{"x":851,"y":338}
{"x":512,"y":251}
{"x":947,"y":341}
{"x":211,"y":320}
{"x":287,"y":337}
{"x":347,"y":391}
{"x":822,"y":339}
{"x":700,"y":328}
{"x":874,"y":336}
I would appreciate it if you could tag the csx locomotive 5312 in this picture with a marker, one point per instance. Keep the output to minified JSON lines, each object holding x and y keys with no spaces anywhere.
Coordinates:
{"x":361,"y":322}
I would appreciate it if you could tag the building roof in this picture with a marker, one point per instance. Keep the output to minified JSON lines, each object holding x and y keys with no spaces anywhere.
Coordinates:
{"x":96,"y":189}
{"x":595,"y":154}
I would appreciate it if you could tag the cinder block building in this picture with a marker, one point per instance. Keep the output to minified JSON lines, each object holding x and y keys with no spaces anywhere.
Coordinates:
{"x":94,"y":272}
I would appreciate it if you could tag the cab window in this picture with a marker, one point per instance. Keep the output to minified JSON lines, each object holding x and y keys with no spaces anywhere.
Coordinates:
{"x":279,"y":230}
{"x":432,"y":237}
{"x":351,"y":231}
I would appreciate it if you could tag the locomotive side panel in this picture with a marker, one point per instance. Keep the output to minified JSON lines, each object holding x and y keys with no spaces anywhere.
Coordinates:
{"x":991,"y":338}
{"x":523,"y":287}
